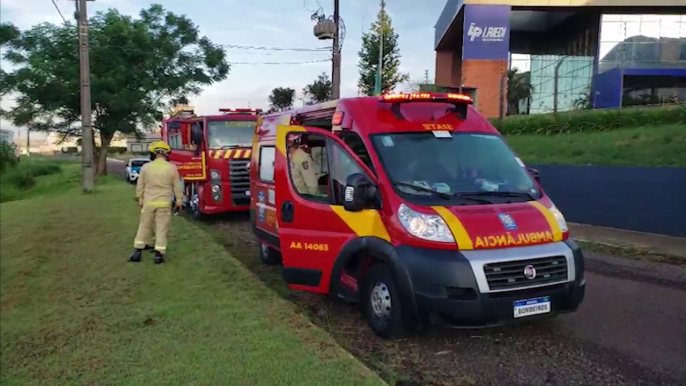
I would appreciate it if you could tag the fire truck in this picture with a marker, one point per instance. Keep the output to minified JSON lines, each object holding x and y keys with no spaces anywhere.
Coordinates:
{"x":212,"y":154}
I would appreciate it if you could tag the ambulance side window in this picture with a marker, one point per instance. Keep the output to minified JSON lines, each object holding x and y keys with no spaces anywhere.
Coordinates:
{"x":355,"y":143}
{"x":308,"y":166}
{"x":267,"y":154}
{"x":343,"y":166}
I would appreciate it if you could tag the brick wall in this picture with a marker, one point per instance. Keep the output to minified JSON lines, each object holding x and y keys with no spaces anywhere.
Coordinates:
{"x":486,"y":76}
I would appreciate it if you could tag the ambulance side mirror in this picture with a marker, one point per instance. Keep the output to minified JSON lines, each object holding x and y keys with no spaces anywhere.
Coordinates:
{"x":360,"y":193}
{"x":535,"y":174}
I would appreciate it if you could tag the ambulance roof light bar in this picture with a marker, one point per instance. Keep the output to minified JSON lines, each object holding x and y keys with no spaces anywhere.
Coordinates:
{"x":241,"y":111}
{"x":426,"y":97}
{"x":460,"y":102}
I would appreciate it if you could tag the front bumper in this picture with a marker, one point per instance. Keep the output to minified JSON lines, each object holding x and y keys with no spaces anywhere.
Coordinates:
{"x":450,"y":287}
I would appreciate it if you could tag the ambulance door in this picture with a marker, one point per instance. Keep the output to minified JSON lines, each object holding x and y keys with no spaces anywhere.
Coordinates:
{"x":311,"y":228}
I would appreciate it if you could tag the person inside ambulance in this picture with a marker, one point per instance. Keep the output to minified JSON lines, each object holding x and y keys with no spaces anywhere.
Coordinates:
{"x":158,"y":185}
{"x":302,"y":168}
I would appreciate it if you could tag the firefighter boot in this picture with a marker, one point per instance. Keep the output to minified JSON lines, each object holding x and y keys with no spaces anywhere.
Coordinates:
{"x":159,"y":258}
{"x":136,"y":256}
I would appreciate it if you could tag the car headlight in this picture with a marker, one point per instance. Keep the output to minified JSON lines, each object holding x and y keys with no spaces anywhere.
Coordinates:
{"x":429,"y":227}
{"x":560,"y":218}
{"x":215,"y":175}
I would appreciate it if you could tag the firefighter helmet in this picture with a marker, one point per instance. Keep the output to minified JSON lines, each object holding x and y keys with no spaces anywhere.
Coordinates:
{"x":160,"y":147}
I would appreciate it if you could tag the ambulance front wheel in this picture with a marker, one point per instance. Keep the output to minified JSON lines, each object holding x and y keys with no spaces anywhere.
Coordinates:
{"x":381,"y":303}
{"x":268,"y":255}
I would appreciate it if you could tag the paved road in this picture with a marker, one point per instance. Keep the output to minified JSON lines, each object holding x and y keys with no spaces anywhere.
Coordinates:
{"x":630,"y":330}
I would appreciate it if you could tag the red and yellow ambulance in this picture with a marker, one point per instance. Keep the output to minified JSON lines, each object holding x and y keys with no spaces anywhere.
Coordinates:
{"x":415,"y":206}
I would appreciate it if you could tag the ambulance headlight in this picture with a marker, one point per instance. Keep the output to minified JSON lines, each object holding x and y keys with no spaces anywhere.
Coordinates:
{"x":429,"y":227}
{"x":560,"y":218}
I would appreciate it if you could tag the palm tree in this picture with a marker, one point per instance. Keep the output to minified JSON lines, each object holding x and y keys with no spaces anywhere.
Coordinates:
{"x":518,"y":88}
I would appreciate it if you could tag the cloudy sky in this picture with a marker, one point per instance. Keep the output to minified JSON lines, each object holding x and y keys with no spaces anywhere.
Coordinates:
{"x":266,"y":23}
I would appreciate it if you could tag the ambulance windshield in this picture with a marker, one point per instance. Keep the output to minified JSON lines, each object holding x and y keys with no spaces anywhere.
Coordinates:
{"x":460,"y":165}
{"x":225,"y":134}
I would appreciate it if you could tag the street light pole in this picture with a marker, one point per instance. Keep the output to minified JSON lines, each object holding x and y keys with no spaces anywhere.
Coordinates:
{"x":86,"y":114}
{"x":336,"y":70}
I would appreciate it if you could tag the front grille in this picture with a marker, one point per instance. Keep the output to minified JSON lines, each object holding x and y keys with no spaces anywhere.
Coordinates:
{"x":239,"y":178}
{"x":510,"y":274}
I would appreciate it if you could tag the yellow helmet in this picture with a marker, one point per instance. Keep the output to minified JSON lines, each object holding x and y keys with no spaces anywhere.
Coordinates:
{"x":160,"y":147}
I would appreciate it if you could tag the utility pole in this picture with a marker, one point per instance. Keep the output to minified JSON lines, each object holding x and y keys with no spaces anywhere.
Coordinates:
{"x":86,"y":115}
{"x":336,"y":59}
{"x":28,"y":142}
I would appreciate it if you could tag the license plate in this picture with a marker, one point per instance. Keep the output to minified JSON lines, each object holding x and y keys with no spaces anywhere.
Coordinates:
{"x":530,"y":307}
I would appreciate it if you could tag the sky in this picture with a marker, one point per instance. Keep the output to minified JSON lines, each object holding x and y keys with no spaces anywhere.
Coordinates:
{"x":283,"y":24}
{"x":267,"y":23}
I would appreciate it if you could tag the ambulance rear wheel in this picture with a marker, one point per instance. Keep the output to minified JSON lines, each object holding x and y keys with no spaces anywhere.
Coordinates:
{"x":269,"y":255}
{"x":381,"y":303}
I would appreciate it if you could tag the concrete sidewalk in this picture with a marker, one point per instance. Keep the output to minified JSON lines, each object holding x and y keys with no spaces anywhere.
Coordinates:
{"x":666,"y":245}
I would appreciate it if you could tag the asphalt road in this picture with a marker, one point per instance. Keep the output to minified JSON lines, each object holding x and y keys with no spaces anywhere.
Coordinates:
{"x":630,"y":330}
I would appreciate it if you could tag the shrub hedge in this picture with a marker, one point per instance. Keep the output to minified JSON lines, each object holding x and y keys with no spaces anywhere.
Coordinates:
{"x":110,"y":150}
{"x":591,"y":120}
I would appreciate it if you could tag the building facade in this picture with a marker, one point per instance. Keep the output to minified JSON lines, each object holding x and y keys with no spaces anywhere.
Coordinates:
{"x":582,"y":53}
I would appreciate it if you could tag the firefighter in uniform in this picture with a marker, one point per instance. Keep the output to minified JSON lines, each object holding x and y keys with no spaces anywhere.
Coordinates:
{"x":158,"y":185}
{"x":302,"y":170}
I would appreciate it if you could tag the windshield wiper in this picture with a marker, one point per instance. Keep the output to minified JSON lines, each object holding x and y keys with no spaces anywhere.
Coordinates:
{"x":423,"y":189}
{"x":231,"y":147}
{"x":498,"y":194}
{"x":439,"y":194}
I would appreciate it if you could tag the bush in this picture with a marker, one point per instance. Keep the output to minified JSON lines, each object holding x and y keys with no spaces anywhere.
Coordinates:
{"x":117,"y":150}
{"x":8,"y":156}
{"x":23,"y":176}
{"x":591,"y":120}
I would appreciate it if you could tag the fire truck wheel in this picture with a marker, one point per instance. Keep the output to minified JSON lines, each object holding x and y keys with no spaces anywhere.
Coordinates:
{"x":268,"y":255}
{"x":380,"y":302}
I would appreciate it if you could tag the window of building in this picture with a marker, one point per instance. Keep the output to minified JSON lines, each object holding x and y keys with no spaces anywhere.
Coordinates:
{"x":267,"y":157}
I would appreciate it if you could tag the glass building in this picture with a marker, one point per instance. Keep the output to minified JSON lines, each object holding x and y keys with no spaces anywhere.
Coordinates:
{"x":637,"y":59}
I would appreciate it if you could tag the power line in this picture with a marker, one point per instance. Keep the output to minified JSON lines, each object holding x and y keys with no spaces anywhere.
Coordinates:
{"x":58,"y":11}
{"x":279,"y":63}
{"x":320,"y":49}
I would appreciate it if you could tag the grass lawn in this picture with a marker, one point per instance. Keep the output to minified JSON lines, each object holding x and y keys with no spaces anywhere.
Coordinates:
{"x":647,"y":146}
{"x":73,"y":311}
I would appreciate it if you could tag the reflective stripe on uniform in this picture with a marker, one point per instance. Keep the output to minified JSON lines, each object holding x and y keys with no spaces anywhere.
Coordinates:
{"x":158,"y":203}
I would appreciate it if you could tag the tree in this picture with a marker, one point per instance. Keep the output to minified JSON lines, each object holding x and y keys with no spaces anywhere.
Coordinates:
{"x":319,"y":91}
{"x":518,"y":88}
{"x":137,"y":66}
{"x":8,"y":33}
{"x":369,"y":56}
{"x":281,"y":99}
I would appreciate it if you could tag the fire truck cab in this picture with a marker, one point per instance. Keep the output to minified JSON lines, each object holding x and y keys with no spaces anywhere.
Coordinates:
{"x":212,"y":154}
{"x":414,"y":206}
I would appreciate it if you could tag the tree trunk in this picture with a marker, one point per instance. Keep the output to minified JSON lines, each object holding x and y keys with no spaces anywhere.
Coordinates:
{"x":105,"y":140}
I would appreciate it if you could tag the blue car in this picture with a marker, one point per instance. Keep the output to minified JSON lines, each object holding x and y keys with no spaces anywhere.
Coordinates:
{"x":133,"y":167}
